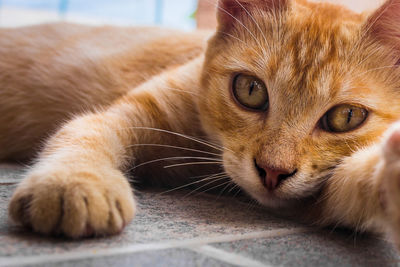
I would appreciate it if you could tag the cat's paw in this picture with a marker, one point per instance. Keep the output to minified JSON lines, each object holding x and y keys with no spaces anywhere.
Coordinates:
{"x":390,"y":182}
{"x":73,"y":203}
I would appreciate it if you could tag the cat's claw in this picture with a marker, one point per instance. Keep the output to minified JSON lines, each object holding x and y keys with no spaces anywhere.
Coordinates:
{"x":73,"y":204}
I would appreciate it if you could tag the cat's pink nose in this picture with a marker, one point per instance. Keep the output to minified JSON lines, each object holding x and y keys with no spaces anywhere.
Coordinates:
{"x":272,"y":177}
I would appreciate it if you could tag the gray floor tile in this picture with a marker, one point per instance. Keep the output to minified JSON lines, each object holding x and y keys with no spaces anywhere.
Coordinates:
{"x":321,"y":248}
{"x":170,"y":257}
{"x":10,"y":173}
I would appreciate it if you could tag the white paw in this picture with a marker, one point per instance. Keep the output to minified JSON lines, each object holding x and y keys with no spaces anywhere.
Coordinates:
{"x":390,"y":187}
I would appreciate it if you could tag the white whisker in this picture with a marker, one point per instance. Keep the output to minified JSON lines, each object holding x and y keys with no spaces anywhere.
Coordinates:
{"x":223,"y":189}
{"x":206,"y":143}
{"x":366,"y":58}
{"x":379,"y":68}
{"x":206,"y":175}
{"x":213,"y":181}
{"x":215,"y":176}
{"x":234,"y":37}
{"x":177,"y":147}
{"x":243,"y":42}
{"x":211,"y":188}
{"x":193,"y":163}
{"x":234,"y":186}
{"x":174,"y":158}
{"x":241,"y":23}
{"x":254,"y":20}
{"x":238,"y":191}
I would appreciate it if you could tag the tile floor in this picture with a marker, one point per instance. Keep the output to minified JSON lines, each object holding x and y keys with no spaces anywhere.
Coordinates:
{"x":201,"y":230}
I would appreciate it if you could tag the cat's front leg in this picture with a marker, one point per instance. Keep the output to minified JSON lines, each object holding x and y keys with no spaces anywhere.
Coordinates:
{"x":364,"y":191}
{"x":388,"y":172}
{"x":77,"y":188}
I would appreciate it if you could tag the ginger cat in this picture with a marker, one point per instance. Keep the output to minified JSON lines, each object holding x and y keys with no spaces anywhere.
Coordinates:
{"x":298,"y":101}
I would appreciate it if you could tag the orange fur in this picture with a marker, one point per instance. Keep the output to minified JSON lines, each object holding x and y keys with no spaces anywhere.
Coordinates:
{"x":127,"y":87}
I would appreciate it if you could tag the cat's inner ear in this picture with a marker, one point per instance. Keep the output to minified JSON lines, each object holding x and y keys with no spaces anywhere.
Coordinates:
{"x":231,"y":12}
{"x":384,"y":26}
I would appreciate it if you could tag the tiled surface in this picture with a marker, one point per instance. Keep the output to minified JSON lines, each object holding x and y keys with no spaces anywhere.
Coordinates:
{"x":201,"y":230}
{"x":322,"y":248}
{"x":168,"y":257}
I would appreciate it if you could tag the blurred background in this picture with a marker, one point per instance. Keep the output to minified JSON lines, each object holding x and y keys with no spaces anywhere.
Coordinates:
{"x":169,"y":13}
{"x":180,"y":14}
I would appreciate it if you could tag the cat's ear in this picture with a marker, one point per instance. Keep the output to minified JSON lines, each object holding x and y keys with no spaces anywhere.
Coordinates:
{"x":384,"y":26}
{"x":234,"y":11}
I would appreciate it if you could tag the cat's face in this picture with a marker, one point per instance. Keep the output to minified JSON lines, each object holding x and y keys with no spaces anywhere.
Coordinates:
{"x":292,"y":88}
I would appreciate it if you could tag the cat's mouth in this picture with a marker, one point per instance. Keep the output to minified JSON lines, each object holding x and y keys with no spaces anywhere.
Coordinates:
{"x":275,"y":187}
{"x":294,"y":188}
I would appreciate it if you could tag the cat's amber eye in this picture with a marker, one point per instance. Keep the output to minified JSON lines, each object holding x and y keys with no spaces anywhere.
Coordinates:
{"x":343,"y":118}
{"x":250,"y":92}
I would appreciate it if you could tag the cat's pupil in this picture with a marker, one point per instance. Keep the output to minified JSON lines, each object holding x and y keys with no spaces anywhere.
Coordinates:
{"x":252,"y":85}
{"x":350,"y":116}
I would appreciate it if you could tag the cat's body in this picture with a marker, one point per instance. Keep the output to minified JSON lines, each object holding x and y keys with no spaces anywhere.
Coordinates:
{"x":50,"y":72}
{"x":294,"y":96}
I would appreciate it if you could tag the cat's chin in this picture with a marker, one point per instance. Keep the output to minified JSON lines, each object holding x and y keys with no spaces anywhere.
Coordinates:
{"x":273,"y":200}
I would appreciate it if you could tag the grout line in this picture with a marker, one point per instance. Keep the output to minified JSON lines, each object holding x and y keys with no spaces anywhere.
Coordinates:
{"x":98,"y":253}
{"x":227,"y":257}
{"x":9,"y":181}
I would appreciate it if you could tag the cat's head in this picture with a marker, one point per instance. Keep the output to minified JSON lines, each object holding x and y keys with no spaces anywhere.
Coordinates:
{"x":292,"y":87}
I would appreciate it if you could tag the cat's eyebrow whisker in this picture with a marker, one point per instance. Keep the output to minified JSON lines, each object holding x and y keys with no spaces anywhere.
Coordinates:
{"x":210,"y":177}
{"x":373,"y":69}
{"x":177,"y":147}
{"x":254,"y":20}
{"x":367,"y":30}
{"x":193,"y":163}
{"x":240,"y":40}
{"x":234,"y":37}
{"x":376,"y":20}
{"x":206,"y":143}
{"x":366,"y":58}
{"x":241,"y":23}
{"x":175,"y":158}
{"x":356,"y":87}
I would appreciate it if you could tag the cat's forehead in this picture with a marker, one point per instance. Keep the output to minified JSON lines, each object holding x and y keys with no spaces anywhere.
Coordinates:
{"x":309,"y":57}
{"x":311,"y":60}
{"x":309,"y":51}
